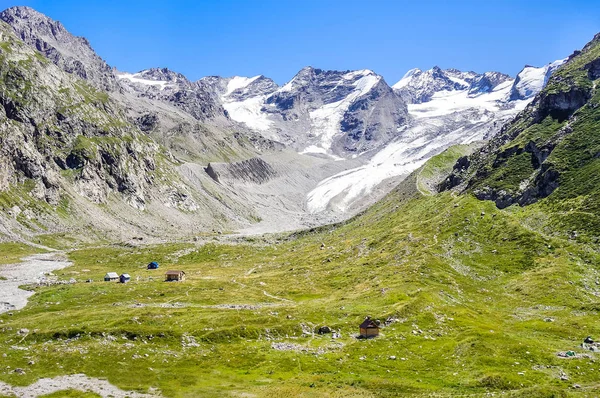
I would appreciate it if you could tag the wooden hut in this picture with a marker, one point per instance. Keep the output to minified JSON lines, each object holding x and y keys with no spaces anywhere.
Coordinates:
{"x":369,"y":328}
{"x":174,"y":276}
{"x":111,"y":277}
{"x":124,"y":278}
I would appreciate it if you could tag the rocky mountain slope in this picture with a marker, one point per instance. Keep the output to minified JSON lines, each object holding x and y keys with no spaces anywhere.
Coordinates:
{"x":70,"y":53}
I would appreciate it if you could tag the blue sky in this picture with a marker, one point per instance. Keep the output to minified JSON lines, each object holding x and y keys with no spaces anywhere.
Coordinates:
{"x":279,"y":37}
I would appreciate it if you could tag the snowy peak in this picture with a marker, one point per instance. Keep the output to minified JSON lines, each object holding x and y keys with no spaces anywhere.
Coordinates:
{"x":322,"y":86}
{"x":162,"y":74}
{"x":531,"y":80}
{"x":487,"y":82}
{"x":335,"y":113}
{"x":420,"y":86}
{"x":157,"y":78}
{"x":239,"y":88}
{"x":242,"y":88}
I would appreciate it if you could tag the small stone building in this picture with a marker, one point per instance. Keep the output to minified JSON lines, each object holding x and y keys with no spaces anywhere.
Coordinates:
{"x":171,"y":276}
{"x":111,"y":277}
{"x":369,"y":328}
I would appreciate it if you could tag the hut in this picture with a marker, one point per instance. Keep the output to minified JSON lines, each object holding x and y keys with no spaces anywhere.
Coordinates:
{"x":124,"y":278}
{"x":174,"y":276}
{"x":369,"y":328}
{"x":153,"y":265}
{"x":111,"y":277}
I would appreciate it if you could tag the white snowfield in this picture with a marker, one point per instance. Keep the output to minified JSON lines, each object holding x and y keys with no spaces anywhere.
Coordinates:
{"x":249,"y":112}
{"x":238,"y":82}
{"x":447,"y":102}
{"x":134,"y":78}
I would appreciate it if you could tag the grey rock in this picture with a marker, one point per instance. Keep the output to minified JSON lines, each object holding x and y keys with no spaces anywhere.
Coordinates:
{"x":70,"y":53}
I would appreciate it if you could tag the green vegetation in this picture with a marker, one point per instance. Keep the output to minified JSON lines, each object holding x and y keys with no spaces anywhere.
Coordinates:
{"x":439,"y":167}
{"x":467,"y":291}
{"x":11,"y":252}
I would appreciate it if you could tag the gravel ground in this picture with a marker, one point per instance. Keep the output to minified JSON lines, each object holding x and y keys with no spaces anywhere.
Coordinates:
{"x":76,"y":382}
{"x":32,"y":270}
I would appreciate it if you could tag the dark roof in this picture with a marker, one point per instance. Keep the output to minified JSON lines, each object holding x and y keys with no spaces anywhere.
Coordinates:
{"x":174,"y":272}
{"x":368,"y":323}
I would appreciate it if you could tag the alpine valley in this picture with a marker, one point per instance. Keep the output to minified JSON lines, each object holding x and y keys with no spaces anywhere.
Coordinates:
{"x":460,"y":210}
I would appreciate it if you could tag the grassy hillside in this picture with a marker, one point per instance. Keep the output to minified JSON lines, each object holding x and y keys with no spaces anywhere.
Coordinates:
{"x":472,"y":299}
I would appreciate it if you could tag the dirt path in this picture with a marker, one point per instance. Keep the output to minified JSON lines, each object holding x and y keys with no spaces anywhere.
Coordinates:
{"x":31,"y":270}
{"x":76,"y":382}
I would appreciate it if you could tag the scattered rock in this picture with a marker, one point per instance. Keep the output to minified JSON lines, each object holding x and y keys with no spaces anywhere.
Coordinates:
{"x":324,"y":330}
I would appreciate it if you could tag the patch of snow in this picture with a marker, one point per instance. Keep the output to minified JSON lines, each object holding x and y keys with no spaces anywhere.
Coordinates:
{"x":135,"y":79}
{"x":248,"y":112}
{"x":531,"y":80}
{"x":406,"y":78}
{"x":318,"y":150}
{"x":238,"y":82}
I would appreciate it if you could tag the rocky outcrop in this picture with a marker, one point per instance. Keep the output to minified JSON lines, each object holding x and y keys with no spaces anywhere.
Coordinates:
{"x":70,"y":53}
{"x":562,"y":104}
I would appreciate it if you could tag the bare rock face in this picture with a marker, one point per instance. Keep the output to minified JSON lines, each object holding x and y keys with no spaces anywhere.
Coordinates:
{"x":173,"y":88}
{"x":70,"y":53}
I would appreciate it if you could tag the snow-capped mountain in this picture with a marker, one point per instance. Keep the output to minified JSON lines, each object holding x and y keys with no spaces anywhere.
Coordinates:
{"x":324,"y":112}
{"x":351,"y":116}
{"x":447,"y":107}
{"x":420,"y":86}
{"x":531,"y":80}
